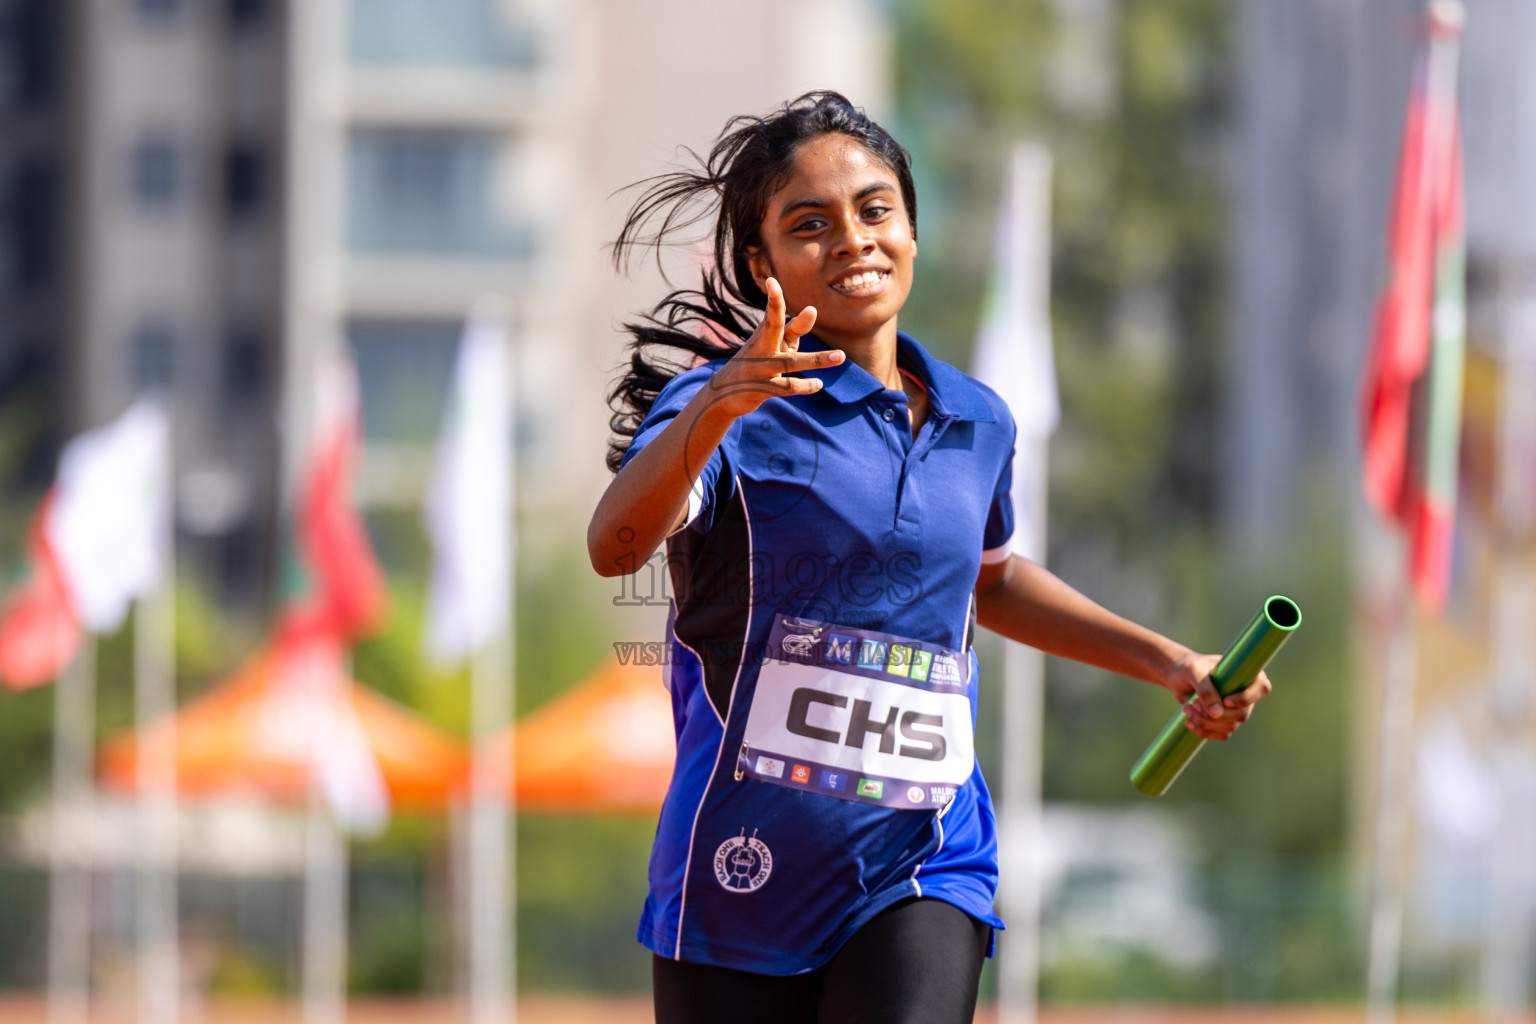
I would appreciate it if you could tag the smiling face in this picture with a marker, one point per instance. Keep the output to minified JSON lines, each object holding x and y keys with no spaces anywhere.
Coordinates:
{"x":837,"y":237}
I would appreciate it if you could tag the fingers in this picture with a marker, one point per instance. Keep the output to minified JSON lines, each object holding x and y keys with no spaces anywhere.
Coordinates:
{"x":771,"y":331}
{"x":1210,"y":697}
{"x":799,"y":385}
{"x":1198,"y":721}
{"x":799,"y":327}
{"x":1252,"y":694}
{"x":799,"y":362}
{"x":777,"y":384}
{"x":774,"y":331}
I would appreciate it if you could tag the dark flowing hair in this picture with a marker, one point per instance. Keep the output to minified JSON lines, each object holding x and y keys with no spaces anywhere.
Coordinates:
{"x":751,"y":160}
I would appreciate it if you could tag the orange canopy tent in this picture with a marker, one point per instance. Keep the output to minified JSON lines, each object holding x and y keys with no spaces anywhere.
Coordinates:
{"x":605,"y":746}
{"x":254,"y":733}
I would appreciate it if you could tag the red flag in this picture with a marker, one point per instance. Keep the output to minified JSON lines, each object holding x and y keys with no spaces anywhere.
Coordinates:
{"x":39,"y":630}
{"x":350,"y":588}
{"x":1412,"y":394}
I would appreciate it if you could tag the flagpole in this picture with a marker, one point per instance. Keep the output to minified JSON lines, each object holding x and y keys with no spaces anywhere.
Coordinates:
{"x":158,"y":945}
{"x":1021,"y":817}
{"x":313,"y":254}
{"x":492,"y":829}
{"x":69,"y":891}
{"x":1389,"y":842}
{"x":493,"y":786}
{"x":325,"y":911}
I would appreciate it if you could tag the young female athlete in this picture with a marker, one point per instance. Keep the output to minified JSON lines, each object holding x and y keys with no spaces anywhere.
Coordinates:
{"x":835,"y":505}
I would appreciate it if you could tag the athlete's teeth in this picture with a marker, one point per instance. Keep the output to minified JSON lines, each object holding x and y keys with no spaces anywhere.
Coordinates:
{"x":859,"y":281}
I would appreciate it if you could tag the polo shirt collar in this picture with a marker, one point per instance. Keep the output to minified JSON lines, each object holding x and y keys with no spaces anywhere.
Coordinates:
{"x":952,"y":394}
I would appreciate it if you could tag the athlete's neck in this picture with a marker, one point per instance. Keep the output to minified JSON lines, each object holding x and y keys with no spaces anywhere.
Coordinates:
{"x":874,"y":353}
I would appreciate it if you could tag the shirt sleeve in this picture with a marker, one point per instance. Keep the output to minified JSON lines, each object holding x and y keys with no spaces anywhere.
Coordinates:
{"x":678,"y":392}
{"x":996,"y":537}
{"x":999,"y":530}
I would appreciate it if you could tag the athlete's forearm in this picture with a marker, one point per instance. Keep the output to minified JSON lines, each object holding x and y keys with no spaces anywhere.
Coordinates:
{"x":1026,"y":602}
{"x":648,"y":497}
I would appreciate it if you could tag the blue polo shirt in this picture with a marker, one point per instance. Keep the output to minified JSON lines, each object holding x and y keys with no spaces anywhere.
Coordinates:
{"x":821,"y":666}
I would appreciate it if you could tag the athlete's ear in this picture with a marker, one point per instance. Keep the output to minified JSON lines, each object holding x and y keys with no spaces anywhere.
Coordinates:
{"x":760,"y":265}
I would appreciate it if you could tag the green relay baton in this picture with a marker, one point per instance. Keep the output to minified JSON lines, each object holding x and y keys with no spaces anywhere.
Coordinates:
{"x":1176,"y":746}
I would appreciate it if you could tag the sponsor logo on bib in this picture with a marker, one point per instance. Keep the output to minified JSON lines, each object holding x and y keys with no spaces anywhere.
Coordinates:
{"x":834,"y":780}
{"x":915,"y":794}
{"x":800,"y":773}
{"x":770,"y":767}
{"x":872,"y":654}
{"x":743,"y":863}
{"x":798,"y":645}
{"x":946,"y":671}
{"x":871,"y":788}
{"x":840,"y":648}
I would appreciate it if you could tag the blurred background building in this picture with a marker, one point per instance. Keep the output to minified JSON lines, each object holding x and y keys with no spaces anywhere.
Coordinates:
{"x":200,"y":192}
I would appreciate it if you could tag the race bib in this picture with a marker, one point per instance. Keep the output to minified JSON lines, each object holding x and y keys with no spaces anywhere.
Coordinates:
{"x":860,"y":715}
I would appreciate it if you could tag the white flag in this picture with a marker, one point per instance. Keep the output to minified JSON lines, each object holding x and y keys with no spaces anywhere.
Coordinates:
{"x":110,"y":517}
{"x":469,"y":506}
{"x":1458,"y":790}
{"x":1013,"y":346}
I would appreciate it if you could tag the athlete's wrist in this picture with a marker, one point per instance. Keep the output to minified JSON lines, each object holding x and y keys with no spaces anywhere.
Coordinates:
{"x":709,"y":415}
{"x":1172,"y":665}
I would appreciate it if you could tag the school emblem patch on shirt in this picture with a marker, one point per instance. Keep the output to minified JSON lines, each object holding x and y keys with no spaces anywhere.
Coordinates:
{"x":743,"y":863}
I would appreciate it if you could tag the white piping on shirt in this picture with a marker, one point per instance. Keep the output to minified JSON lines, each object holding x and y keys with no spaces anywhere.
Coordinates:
{"x":938,"y":820}
{"x":695,"y":504}
{"x":682,"y":903}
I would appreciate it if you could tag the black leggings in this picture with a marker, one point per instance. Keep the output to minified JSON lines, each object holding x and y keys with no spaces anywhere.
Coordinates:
{"x":917,"y":962}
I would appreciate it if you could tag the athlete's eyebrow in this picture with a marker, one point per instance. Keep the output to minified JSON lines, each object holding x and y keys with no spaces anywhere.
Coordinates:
{"x":816,"y":203}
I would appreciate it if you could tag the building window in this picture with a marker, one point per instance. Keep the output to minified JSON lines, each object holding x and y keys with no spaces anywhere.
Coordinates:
{"x":469,"y":32}
{"x":423,"y":191}
{"x":243,"y":556}
{"x":34,"y":52}
{"x":157,"y":172}
{"x":244,"y":182}
{"x":158,"y":10}
{"x":243,"y":369}
{"x":403,"y":370}
{"x":35,"y":225}
{"x":245,"y":15}
{"x":152,"y":357}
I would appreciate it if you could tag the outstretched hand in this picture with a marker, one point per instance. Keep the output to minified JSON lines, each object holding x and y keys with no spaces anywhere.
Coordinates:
{"x":1212,"y":716}
{"x":760,"y":368}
